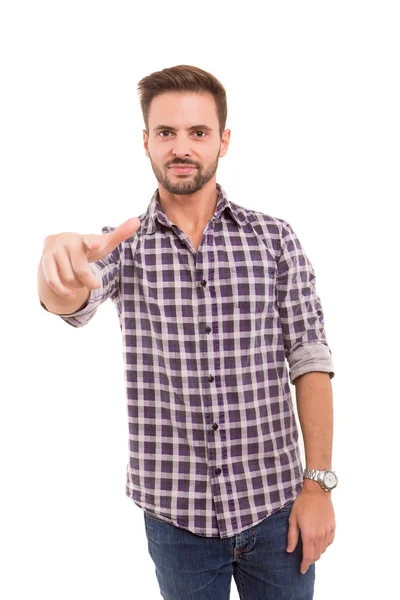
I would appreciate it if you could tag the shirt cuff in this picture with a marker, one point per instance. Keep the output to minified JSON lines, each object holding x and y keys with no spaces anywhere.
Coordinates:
{"x":84,"y":315}
{"x":312,"y":356}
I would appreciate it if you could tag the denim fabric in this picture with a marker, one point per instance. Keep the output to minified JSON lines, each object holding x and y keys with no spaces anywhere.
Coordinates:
{"x":192,"y":567}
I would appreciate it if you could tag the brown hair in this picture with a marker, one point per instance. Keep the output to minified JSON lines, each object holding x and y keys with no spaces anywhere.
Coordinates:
{"x":178,"y":79}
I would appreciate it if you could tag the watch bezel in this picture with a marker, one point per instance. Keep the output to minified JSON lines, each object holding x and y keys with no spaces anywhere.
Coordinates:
{"x":325,"y":473}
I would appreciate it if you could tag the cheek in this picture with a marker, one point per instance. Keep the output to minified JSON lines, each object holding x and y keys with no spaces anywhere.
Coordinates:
{"x":157,"y":157}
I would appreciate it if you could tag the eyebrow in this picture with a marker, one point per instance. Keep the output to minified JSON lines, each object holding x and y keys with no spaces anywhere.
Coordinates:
{"x":187,"y":129}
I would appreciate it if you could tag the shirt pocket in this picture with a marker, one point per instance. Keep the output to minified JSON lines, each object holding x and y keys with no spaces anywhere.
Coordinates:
{"x":253,"y":288}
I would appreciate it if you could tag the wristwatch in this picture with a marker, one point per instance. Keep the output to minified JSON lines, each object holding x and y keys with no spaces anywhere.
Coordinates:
{"x":327,"y":479}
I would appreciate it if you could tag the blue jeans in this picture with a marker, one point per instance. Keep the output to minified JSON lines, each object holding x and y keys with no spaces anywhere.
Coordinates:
{"x":192,"y":567}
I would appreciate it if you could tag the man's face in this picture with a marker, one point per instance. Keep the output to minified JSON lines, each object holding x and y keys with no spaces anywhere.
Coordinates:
{"x":184,"y":131}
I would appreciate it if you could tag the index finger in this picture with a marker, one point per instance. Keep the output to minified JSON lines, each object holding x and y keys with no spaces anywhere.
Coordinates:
{"x":120,"y":234}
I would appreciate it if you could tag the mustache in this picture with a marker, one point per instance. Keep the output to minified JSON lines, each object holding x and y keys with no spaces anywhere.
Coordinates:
{"x":181,"y":164}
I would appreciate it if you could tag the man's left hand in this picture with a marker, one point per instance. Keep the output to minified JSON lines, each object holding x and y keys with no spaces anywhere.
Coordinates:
{"x":312,"y":513}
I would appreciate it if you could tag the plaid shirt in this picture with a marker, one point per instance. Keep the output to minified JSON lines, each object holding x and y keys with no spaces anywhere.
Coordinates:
{"x":213,"y":437}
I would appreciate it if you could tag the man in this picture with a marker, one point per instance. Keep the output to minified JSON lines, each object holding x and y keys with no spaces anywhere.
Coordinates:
{"x":212,"y":297}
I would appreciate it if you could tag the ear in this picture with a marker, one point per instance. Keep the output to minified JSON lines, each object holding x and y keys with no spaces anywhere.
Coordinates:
{"x":226,"y":136}
{"x":146,"y":142}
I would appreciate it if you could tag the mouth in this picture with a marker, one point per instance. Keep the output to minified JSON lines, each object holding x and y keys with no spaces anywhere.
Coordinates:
{"x":184,"y":170}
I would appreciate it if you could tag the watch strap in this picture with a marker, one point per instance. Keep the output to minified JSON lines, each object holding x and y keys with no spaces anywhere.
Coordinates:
{"x":318,"y":476}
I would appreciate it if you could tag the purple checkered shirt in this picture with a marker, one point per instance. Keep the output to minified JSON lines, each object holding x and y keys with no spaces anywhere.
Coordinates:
{"x":213,"y":438}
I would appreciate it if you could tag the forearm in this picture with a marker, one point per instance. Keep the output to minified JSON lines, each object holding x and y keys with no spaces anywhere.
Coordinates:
{"x":315,"y":409}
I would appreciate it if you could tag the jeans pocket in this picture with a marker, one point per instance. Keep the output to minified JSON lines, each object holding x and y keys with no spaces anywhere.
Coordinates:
{"x":287,"y":507}
{"x":152,"y":517}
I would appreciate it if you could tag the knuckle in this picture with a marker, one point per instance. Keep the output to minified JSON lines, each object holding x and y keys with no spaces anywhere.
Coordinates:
{"x":52,"y":282}
{"x":82,"y":271}
{"x":308,"y":557}
{"x":48,"y":240}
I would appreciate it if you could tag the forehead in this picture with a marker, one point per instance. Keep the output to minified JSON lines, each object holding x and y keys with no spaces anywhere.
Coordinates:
{"x":180,"y":109}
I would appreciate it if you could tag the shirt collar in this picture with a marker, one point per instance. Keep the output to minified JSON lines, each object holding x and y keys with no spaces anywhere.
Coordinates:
{"x":155,"y":211}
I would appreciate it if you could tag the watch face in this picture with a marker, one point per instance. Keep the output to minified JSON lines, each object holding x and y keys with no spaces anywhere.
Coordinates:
{"x":330,"y":479}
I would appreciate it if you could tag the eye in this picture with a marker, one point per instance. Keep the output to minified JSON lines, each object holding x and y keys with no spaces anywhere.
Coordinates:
{"x":204,"y":134}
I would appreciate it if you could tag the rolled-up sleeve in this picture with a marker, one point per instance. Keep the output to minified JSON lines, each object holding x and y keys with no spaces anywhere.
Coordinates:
{"x":300,"y":310}
{"x":107,"y":270}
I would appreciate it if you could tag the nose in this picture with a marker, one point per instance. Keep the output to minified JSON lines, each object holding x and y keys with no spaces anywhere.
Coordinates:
{"x":181,"y":148}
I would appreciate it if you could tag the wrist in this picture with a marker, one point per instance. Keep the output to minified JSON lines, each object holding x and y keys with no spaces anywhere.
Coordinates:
{"x":313,"y":487}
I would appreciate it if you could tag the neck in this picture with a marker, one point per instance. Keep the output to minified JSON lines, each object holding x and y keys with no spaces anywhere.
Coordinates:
{"x":191,"y":212}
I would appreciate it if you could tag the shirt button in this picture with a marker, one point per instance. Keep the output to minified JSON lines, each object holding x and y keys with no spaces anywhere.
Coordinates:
{"x":319,"y":312}
{"x":207,"y":329}
{"x":210,"y":378}
{"x":215,"y":426}
{"x":218,"y":471}
{"x":204,"y":282}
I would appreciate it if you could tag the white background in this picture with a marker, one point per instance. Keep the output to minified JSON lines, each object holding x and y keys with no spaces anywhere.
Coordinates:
{"x":313,"y":105}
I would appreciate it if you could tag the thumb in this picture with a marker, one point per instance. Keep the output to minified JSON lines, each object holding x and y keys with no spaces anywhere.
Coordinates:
{"x":293,"y":535}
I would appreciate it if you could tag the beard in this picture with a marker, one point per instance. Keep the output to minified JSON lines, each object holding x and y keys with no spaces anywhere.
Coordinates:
{"x":191,"y":184}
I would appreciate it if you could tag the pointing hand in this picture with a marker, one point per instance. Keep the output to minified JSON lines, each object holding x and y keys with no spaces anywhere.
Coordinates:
{"x":66,"y":257}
